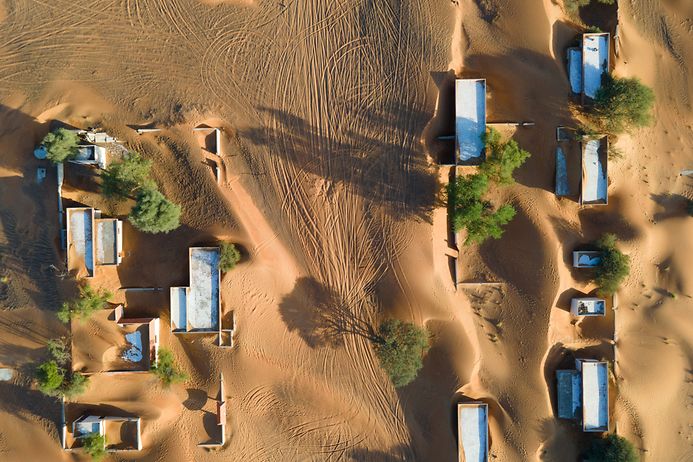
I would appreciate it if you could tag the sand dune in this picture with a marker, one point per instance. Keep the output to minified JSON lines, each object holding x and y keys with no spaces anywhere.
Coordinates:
{"x":330,"y":114}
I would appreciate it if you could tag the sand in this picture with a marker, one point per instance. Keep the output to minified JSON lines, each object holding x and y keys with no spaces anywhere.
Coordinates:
{"x":329,"y":184}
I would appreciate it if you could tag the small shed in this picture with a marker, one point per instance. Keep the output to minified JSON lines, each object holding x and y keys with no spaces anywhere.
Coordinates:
{"x":587,"y":258}
{"x":594,"y":189}
{"x":470,"y":120}
{"x":588,"y":306}
{"x":472,"y":428}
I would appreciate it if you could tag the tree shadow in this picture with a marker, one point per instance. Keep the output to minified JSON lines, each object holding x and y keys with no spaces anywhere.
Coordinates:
{"x":320,"y":317}
{"x":387,"y":167}
{"x":196,"y":399}
{"x":672,"y":205}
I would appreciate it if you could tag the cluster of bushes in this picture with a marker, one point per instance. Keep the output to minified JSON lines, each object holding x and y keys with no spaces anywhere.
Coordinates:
{"x":400,"y":347}
{"x":572,"y":6}
{"x":60,"y":145}
{"x":166,"y":369}
{"x":611,"y":448}
{"x":466,"y":204}
{"x":614,"y":267}
{"x":620,"y":106}
{"x":55,"y":377}
{"x":94,"y":444}
{"x":229,"y":256}
{"x":130,"y":178}
{"x":88,"y":302}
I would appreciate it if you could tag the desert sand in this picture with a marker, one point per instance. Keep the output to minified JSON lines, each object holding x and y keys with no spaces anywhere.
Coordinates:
{"x":330,"y":114}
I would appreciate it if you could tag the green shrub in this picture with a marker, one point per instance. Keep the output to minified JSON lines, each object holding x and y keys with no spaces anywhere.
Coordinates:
{"x":229,"y":257}
{"x":58,"y":350}
{"x":614,"y":267}
{"x":75,"y":386}
{"x":94,"y":444}
{"x":61,"y":145}
{"x":621,"y":105}
{"x":167,"y":371}
{"x":572,"y":6}
{"x":49,"y":378}
{"x":153,"y":213}
{"x":502,"y":158}
{"x":611,"y":448}
{"x":400,"y":347}
{"x":124,"y":178}
{"x":86,"y":305}
{"x":468,"y":210}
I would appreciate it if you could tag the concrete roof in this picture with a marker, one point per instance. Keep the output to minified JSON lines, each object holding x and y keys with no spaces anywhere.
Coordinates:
{"x":472,"y":427}
{"x":595,"y":396}
{"x":595,"y":61}
{"x":470,"y":118}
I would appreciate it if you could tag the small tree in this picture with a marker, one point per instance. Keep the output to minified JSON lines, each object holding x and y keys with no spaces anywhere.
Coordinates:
{"x":153,"y":213}
{"x":468,"y":210}
{"x":167,"y":371}
{"x":58,"y":350}
{"x":61,"y":145}
{"x":611,"y":448}
{"x":49,"y":378}
{"x":229,"y":257}
{"x":76,"y":386}
{"x":621,"y":105}
{"x":614,"y":267}
{"x":94,"y":444}
{"x":89,"y":301}
{"x":128,"y":176}
{"x":400,"y":347}
{"x":502,"y":158}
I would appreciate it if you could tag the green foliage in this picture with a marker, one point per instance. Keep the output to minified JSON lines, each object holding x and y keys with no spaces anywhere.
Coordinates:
{"x":621,"y":105}
{"x":572,"y":6}
{"x":229,"y":256}
{"x":126,"y":177}
{"x":400,"y":346}
{"x":614,"y":267}
{"x":58,"y":350}
{"x":49,"y":378}
{"x":61,"y":145}
{"x":89,"y":301}
{"x":502,"y":158}
{"x":611,"y":448}
{"x":75,"y":386}
{"x":468,"y":210}
{"x":94,"y":444}
{"x":153,"y":213}
{"x":167,"y":371}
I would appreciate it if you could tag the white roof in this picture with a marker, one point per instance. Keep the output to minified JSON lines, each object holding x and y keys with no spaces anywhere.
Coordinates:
{"x":472,"y":427}
{"x":590,"y":306}
{"x":595,"y":396}
{"x":80,"y":243}
{"x":595,"y":61}
{"x":196,"y":308}
{"x":594,"y":180}
{"x":470,"y":118}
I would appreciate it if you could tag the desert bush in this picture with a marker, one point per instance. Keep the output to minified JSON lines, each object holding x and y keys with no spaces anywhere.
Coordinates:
{"x":572,"y":6}
{"x":166,"y":369}
{"x":468,"y":210}
{"x":83,"y":307}
{"x":61,"y":145}
{"x":124,"y":178}
{"x":614,"y":267}
{"x":153,"y":213}
{"x":400,"y":347}
{"x":621,"y":105}
{"x":58,"y":350}
{"x":75,"y":386}
{"x":94,"y":444}
{"x":611,"y":448}
{"x":49,"y":378}
{"x":502,"y":158}
{"x":229,"y":257}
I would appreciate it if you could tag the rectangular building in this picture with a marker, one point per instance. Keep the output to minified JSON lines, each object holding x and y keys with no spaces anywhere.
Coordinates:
{"x":91,"y":240}
{"x":595,"y":396}
{"x":470,"y":120}
{"x":587,"y":258}
{"x":472,"y":428}
{"x":595,"y":61}
{"x":196,"y":309}
{"x":594,"y":188}
{"x":588,"y":306}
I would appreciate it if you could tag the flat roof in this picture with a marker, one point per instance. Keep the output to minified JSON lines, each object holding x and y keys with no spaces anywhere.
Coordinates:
{"x":568,"y":392}
{"x":472,"y":428}
{"x":575,"y":69}
{"x":587,"y":258}
{"x":595,"y":396}
{"x":80,"y":248}
{"x":470,"y":118}
{"x":595,"y":61}
{"x":106,"y":234}
{"x":196,"y":308}
{"x":179,"y":297}
{"x":594,"y":172}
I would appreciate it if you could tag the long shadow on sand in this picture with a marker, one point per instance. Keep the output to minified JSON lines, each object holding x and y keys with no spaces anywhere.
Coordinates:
{"x":372,"y":151}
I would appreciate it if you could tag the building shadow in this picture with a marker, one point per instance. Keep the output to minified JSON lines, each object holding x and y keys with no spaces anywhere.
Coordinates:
{"x":671,"y":206}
